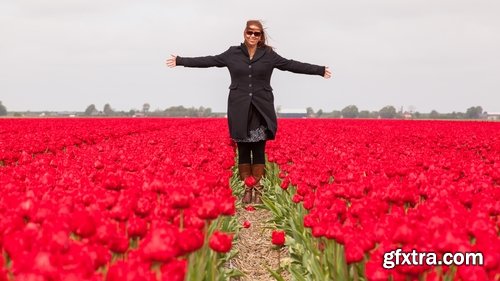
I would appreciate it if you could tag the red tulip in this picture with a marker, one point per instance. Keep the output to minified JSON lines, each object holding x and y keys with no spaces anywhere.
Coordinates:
{"x":137,"y":227}
{"x":161,"y":244}
{"x":250,"y":181}
{"x":83,"y":224}
{"x":246,"y":224}
{"x":174,"y":271}
{"x":119,"y":244}
{"x":278,"y":237}
{"x":191,"y":239}
{"x":353,"y":252}
{"x":284,"y":184}
{"x":208,"y":209}
{"x":250,"y":208}
{"x":297,"y":198}
{"x":99,"y":254}
{"x":129,"y":270}
{"x":227,"y":206}
{"x":221,"y":242}
{"x":180,"y":200}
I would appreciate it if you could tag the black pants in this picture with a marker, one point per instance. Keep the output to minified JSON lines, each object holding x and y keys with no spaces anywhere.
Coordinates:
{"x":251,"y":152}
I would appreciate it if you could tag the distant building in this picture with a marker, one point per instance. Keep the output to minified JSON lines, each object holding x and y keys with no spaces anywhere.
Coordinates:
{"x":292,"y":113}
{"x":493,"y":116}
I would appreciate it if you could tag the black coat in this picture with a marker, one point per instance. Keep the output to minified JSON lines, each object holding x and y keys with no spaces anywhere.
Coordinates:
{"x":250,"y":83}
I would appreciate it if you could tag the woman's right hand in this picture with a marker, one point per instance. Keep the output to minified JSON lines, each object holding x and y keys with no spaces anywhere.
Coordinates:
{"x":171,"y":62}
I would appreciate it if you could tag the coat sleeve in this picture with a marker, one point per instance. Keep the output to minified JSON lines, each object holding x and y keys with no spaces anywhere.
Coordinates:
{"x":297,"y":66}
{"x":207,"y":61}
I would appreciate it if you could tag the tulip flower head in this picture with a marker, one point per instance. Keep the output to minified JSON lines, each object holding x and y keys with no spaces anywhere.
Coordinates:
{"x":278,"y":237}
{"x":250,"y":181}
{"x":250,"y":208}
{"x":221,"y":242}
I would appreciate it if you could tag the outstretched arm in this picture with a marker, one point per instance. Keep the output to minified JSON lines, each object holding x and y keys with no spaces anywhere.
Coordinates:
{"x":300,"y":67}
{"x":207,"y":61}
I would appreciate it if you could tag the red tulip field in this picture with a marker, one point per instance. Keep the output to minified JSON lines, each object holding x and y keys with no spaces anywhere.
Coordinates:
{"x":157,"y":199}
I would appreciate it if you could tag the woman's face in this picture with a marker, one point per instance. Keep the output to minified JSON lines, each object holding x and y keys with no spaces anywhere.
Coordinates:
{"x":252,"y":35}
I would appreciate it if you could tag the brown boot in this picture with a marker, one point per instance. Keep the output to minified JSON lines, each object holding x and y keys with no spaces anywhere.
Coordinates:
{"x":245,"y":171}
{"x":258,"y":171}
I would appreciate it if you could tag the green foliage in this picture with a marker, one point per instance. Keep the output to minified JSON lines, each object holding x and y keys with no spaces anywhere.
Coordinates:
{"x":208,"y":265}
{"x":336,"y":114}
{"x":350,"y":111}
{"x":434,"y":114}
{"x":181,"y":111}
{"x":90,"y":110}
{"x":310,"y":112}
{"x":388,"y":112}
{"x":364,"y":114}
{"x":3,"y":109}
{"x":108,"y":111}
{"x":474,"y":112}
{"x":275,"y":274}
{"x":146,"y":107}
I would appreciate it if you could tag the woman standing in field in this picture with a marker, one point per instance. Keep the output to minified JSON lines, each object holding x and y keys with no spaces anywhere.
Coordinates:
{"x":250,"y":110}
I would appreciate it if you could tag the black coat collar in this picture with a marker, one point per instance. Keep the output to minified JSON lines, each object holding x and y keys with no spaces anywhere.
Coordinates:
{"x":258,"y":53}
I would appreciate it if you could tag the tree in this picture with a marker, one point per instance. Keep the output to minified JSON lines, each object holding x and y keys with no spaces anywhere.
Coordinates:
{"x":364,"y":114}
{"x":350,"y":111}
{"x":336,"y":114}
{"x":175,"y":111}
{"x":319,"y":113}
{"x":434,"y":114}
{"x":90,"y":110}
{"x":205,"y":112}
{"x":388,"y":111}
{"x":146,"y":107}
{"x":310,"y":112}
{"x":3,"y":109}
{"x":374,"y":114}
{"x":107,"y":110}
{"x":474,"y":112}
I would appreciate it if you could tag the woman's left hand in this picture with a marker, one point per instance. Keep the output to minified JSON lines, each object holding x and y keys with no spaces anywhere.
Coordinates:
{"x":328,"y":73}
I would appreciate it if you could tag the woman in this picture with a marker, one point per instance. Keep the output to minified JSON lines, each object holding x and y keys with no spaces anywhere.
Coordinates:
{"x":250,"y":110}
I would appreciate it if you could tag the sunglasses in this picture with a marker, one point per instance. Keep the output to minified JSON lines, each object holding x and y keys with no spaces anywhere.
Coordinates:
{"x":254,"y":33}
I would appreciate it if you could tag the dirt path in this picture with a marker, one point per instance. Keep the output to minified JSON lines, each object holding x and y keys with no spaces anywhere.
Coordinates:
{"x":255,"y":248}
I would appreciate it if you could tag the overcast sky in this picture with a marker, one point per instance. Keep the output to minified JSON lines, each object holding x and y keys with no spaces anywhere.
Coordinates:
{"x":421,"y":54}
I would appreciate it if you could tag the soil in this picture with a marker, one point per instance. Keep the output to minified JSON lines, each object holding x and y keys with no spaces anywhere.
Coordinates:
{"x":256,"y":252}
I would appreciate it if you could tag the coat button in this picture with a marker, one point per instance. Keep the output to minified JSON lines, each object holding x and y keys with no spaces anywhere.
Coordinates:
{"x":249,"y":85}
{"x":250,"y":75}
{"x":250,"y":94}
{"x":249,"y":66}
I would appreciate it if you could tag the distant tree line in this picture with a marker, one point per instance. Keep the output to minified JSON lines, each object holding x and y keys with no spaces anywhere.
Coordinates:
{"x":350,"y":111}
{"x":390,"y":112}
{"x":173,"y":111}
